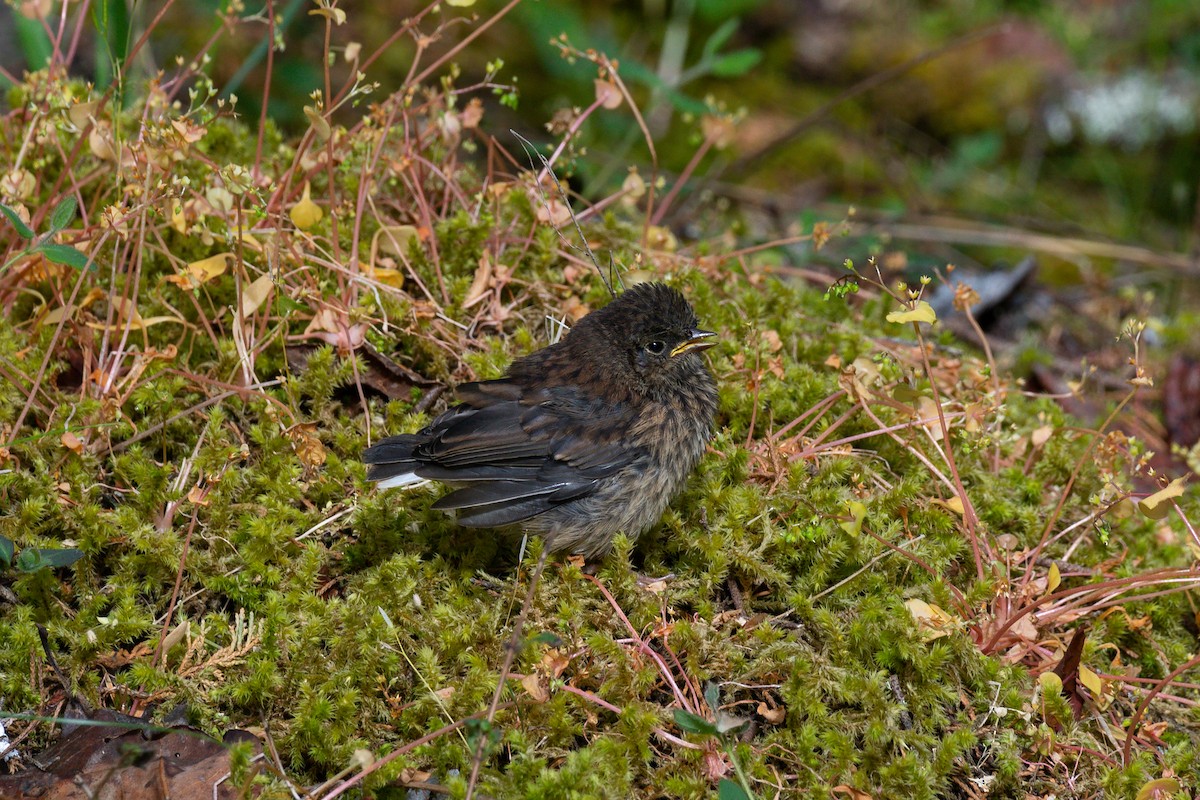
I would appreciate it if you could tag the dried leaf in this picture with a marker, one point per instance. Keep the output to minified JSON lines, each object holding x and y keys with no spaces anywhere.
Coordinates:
{"x":320,"y":125}
{"x":176,"y":635}
{"x":954,"y":504}
{"x":553,"y":211}
{"x":307,"y":446}
{"x":772,"y":715}
{"x":18,"y":184}
{"x":473,"y":113}
{"x":393,"y":239}
{"x":554,"y":662}
{"x":72,"y":443}
{"x":1156,"y":506}
{"x":607,"y":94}
{"x":81,"y":114}
{"x":1042,"y":435}
{"x":851,"y":792}
{"x":1024,"y":629}
{"x":481,"y":283}
{"x":533,"y":684}
{"x":256,"y":294}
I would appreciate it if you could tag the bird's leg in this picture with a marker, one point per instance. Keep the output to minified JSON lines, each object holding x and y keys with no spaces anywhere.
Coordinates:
{"x":510,"y":655}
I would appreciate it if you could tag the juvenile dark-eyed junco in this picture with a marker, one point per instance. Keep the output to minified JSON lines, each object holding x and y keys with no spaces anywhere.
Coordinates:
{"x":581,"y":440}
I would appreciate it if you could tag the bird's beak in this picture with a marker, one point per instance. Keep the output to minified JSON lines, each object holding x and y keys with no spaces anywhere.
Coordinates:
{"x":697,"y":340}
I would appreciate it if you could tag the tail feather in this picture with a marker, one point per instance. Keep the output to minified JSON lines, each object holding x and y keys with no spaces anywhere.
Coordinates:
{"x":390,"y":461}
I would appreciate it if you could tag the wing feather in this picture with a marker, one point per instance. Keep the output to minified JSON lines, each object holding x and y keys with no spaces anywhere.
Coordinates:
{"x":512,"y":454}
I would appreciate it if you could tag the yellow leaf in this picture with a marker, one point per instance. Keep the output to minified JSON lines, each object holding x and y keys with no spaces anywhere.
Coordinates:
{"x":460,"y":3}
{"x":1050,"y":683}
{"x":859,"y":512}
{"x":72,"y":443}
{"x":319,"y":124}
{"x":921,"y":312}
{"x":336,"y":14}
{"x":393,"y":239}
{"x":385,"y":275}
{"x":933,"y":620}
{"x":1053,"y":579}
{"x":254,"y":294}
{"x":178,"y":221}
{"x":306,"y":213}
{"x":1159,"y":789}
{"x":1091,"y":680}
{"x":206,"y":269}
{"x":1156,"y":506}
{"x":954,"y":504}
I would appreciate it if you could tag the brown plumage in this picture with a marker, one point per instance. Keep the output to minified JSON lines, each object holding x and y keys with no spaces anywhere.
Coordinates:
{"x":580,"y":440}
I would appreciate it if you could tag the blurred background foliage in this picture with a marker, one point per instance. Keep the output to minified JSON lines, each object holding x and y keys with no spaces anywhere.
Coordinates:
{"x":1072,"y":117}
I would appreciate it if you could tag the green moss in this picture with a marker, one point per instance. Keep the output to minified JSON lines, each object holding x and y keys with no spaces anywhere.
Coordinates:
{"x":346,"y":618}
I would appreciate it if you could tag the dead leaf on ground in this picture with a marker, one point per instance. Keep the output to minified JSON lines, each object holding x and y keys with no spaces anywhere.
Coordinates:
{"x":304,"y":441}
{"x":532,"y":684}
{"x":182,"y":763}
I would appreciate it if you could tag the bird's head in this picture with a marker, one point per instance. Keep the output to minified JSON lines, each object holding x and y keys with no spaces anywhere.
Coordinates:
{"x":655,"y":333}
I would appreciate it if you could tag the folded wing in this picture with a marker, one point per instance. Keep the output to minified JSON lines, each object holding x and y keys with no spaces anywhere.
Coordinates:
{"x":510,"y":454}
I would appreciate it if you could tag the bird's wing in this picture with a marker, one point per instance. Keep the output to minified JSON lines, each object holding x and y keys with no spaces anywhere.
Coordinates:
{"x":516,"y":455}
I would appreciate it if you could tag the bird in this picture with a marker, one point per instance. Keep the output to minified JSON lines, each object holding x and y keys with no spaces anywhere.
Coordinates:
{"x":586,"y":438}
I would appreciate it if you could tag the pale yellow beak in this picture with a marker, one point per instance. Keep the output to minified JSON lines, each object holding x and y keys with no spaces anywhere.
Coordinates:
{"x":697,"y":340}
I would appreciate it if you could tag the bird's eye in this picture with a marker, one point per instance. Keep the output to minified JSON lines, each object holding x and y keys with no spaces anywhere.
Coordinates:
{"x":656,"y":347}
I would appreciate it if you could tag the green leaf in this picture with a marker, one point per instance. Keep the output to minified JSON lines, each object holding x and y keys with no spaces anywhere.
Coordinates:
{"x":62,"y":215}
{"x":33,"y":41}
{"x":63,"y":254}
{"x":22,"y":229}
{"x":739,"y":62}
{"x":548,"y":638}
{"x":712,"y":695}
{"x":33,"y":559}
{"x":858,"y":512}
{"x":728,"y":790}
{"x":6,"y":551}
{"x":720,"y":36}
{"x":693,"y":723}
{"x":111,"y":19}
